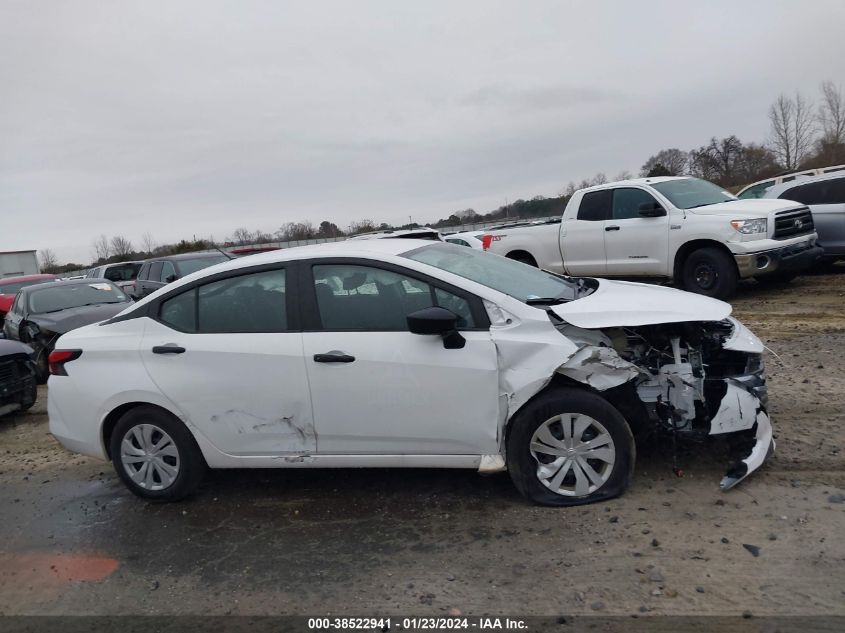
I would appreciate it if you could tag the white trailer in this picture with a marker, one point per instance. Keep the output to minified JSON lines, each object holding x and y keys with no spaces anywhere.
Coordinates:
{"x":18,"y":263}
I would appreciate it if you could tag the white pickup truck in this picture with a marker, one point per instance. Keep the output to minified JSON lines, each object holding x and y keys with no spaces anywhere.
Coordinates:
{"x":681,"y":229}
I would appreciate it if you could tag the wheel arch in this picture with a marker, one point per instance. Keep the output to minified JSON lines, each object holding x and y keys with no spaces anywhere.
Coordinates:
{"x":690,"y":247}
{"x":112,"y":417}
{"x":623,"y":398}
{"x":522,"y":255}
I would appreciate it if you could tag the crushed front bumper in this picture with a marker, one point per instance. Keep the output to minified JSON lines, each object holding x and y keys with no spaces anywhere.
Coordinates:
{"x":788,"y":259}
{"x":742,"y":413}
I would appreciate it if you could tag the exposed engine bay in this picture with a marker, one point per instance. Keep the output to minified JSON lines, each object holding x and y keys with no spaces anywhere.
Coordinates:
{"x":694,"y":379}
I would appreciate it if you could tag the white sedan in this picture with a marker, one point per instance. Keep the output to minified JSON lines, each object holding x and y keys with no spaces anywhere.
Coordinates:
{"x":406,"y":353}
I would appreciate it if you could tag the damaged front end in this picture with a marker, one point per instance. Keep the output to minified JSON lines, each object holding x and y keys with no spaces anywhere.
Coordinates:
{"x":692,"y":379}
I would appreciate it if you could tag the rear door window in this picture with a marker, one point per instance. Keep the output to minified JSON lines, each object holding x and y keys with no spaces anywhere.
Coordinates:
{"x":595,"y":206}
{"x":247,"y":304}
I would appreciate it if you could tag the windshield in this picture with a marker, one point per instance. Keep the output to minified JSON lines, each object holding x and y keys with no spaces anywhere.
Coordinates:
{"x":689,"y":193}
{"x":12,"y":289}
{"x":188,"y":266}
{"x":122,"y":272}
{"x":520,"y":281}
{"x":73,"y":296}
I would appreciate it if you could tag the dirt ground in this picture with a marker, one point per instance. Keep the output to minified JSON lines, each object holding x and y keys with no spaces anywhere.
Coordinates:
{"x":74,"y":541}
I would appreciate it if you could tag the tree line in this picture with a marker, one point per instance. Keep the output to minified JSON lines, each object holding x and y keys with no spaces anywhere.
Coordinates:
{"x":803,"y":134}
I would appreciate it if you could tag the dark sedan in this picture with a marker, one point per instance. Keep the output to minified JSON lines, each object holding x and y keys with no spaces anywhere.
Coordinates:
{"x":157,"y":273}
{"x":17,"y":377}
{"x":41,"y":313}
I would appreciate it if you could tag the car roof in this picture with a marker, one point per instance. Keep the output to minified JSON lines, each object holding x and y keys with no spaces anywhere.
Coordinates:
{"x":15,"y":280}
{"x":635,"y":181}
{"x":181,"y":256}
{"x":67,"y":282}
{"x":774,"y":190}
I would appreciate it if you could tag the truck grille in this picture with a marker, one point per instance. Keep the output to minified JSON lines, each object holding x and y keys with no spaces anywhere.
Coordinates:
{"x":793,"y":223}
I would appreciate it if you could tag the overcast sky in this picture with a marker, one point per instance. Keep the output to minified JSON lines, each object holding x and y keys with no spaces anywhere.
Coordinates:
{"x":195,"y":118}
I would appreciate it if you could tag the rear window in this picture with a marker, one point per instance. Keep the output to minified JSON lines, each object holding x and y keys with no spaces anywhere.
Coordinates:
{"x":122,"y":272}
{"x":188,"y":266}
{"x":595,"y":206}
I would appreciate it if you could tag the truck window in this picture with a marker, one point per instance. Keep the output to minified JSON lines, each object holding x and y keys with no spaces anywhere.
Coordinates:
{"x":627,"y":201}
{"x":595,"y":206}
{"x":822,"y":192}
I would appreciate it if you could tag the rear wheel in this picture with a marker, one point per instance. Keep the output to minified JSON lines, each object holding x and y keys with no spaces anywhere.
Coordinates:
{"x":711,"y":272}
{"x":570,"y":447}
{"x":155,"y":455}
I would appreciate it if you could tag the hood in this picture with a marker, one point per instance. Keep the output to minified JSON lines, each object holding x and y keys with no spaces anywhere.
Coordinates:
{"x":72,"y":318}
{"x":624,"y":303}
{"x":759,"y":207}
{"x":13,"y":348}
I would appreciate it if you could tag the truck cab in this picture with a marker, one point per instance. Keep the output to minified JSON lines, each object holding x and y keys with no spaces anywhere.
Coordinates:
{"x":673,"y":228}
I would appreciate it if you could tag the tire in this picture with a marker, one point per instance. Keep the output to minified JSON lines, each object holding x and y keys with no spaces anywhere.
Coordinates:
{"x":523,"y":258}
{"x":710,"y":272}
{"x":533,"y":472}
{"x":180,"y":466}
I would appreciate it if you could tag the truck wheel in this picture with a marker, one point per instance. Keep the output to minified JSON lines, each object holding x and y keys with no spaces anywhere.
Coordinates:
{"x":523,"y":258}
{"x":711,"y":272}
{"x":569,"y":447}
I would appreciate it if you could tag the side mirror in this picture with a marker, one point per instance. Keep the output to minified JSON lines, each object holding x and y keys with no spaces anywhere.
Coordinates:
{"x":651,"y":210}
{"x":437,"y":321}
{"x":170,"y":279}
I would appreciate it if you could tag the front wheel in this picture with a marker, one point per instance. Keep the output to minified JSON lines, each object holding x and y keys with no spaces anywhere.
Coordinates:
{"x":570,"y":447}
{"x":155,"y":455}
{"x":710,"y":272}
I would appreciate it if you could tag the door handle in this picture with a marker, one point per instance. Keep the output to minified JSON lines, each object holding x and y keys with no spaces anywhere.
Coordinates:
{"x":168,"y":349}
{"x":611,"y":228}
{"x":333,"y":356}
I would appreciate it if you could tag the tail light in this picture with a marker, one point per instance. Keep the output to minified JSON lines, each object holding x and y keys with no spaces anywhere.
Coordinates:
{"x":486,"y":240}
{"x":59,"y":357}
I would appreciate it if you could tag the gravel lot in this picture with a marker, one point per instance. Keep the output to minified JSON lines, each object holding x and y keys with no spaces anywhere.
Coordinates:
{"x":74,"y":541}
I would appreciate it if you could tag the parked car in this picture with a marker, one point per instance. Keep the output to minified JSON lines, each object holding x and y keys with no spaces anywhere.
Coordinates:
{"x":686,"y":230}
{"x":157,"y":273}
{"x":18,"y":390}
{"x":825,"y":196}
{"x":9,"y":287}
{"x":467,"y":238}
{"x":758,"y":189}
{"x":406,"y":353}
{"x":42,"y":313}
{"x":123,"y":274}
{"x":422,"y":233}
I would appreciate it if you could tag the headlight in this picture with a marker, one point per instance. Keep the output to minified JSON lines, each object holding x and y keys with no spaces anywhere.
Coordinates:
{"x":747,"y":227}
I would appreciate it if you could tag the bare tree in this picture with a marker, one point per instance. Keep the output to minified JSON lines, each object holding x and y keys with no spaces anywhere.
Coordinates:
{"x":673,"y":160}
{"x":148,"y":242}
{"x":362,"y":226}
{"x":623,"y":175}
{"x":832,"y":113}
{"x":102,"y":248}
{"x":598,"y":179}
{"x":120,"y":246}
{"x":48,"y":260}
{"x":569,"y":190}
{"x":294,"y":231}
{"x":792,"y":129}
{"x":242,"y":236}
